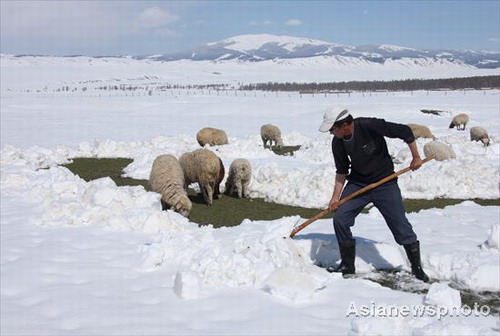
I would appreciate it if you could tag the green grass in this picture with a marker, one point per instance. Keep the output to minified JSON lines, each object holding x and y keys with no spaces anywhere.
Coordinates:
{"x":229,"y":210}
{"x":285,"y":150}
{"x":429,"y":111}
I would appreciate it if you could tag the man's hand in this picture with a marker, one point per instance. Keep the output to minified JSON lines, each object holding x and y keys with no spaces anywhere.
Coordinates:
{"x":416,"y":163}
{"x":334,"y":204}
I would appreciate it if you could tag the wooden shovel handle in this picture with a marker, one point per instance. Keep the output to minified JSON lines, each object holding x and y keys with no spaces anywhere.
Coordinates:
{"x":355,"y":194}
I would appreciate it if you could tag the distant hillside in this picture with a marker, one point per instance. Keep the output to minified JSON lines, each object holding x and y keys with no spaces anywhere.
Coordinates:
{"x":273,"y":47}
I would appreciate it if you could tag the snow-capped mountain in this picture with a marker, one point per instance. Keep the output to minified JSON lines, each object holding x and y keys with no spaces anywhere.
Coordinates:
{"x":266,"y":47}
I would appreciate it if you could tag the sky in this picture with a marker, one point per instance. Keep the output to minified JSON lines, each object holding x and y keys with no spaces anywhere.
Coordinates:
{"x":105,"y":28}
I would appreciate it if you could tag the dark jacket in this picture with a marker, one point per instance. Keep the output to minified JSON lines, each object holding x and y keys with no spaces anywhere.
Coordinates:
{"x":366,"y":152}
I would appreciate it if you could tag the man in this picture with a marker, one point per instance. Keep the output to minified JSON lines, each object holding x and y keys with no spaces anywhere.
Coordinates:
{"x":359,"y":145}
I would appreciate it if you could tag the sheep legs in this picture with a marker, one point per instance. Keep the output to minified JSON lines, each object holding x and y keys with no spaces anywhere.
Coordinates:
{"x":207,"y":193}
{"x":245,"y":189}
{"x":216,"y":191}
{"x":239,"y":188}
{"x":265,"y":143}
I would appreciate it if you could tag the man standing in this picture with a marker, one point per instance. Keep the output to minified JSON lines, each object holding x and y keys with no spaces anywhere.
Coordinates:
{"x":359,"y":145}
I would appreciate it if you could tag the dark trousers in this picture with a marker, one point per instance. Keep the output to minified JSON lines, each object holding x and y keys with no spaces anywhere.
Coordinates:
{"x":387,"y":199}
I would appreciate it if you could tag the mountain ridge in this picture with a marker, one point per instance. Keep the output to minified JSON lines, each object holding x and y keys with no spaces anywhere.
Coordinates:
{"x":260,"y":47}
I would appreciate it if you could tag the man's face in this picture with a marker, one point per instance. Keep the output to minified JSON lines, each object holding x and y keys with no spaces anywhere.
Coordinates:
{"x":343,"y":131}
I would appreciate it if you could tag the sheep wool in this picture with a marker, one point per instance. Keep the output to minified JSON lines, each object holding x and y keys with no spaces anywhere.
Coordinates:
{"x":439,"y":151}
{"x":167,"y":179}
{"x":240,"y":174}
{"x":272,"y":134}
{"x":211,"y":136}
{"x":477,"y":133}
{"x":206,"y":168}
{"x":421,"y":131}
{"x":460,"y":121}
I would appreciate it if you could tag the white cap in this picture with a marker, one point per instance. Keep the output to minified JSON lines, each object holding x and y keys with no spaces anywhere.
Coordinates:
{"x":333,"y":115}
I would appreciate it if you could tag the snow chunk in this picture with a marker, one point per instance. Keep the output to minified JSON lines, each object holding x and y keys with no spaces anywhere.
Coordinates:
{"x":440,"y":294}
{"x":296,"y":284}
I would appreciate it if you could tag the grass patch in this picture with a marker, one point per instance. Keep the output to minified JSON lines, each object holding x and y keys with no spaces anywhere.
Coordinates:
{"x":285,"y":150}
{"x":228,"y":210}
{"x":434,"y":112}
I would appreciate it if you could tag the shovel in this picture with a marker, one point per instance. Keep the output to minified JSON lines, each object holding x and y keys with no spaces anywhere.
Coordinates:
{"x":354,"y":194}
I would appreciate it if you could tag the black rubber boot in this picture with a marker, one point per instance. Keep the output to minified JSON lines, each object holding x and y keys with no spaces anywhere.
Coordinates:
{"x":413,"y":253}
{"x":348,"y":255}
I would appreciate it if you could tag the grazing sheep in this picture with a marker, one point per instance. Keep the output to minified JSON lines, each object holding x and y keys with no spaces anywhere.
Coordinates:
{"x":240,"y":173}
{"x":271,"y":133}
{"x":167,"y":179}
{"x":439,"y":151}
{"x":478,"y":133}
{"x":211,"y":136}
{"x":206,"y":168}
{"x":460,"y":120}
{"x":421,"y":131}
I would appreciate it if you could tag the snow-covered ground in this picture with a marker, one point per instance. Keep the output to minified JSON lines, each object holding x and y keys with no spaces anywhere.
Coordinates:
{"x":94,"y":258}
{"x":36,"y":72}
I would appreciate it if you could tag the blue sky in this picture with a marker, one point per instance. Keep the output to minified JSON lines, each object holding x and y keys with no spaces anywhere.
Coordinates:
{"x":158,"y":27}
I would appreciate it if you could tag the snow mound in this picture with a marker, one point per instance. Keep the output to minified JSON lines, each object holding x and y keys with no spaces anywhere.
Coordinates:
{"x":187,"y":285}
{"x":253,"y":254}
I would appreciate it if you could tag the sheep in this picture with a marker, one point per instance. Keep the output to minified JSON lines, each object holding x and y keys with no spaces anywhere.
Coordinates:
{"x":206,"y":168}
{"x":167,"y":179}
{"x":240,"y":174}
{"x":478,"y":133}
{"x":439,"y":151}
{"x":211,"y":136}
{"x":460,"y":120}
{"x":421,"y":131}
{"x":271,"y":133}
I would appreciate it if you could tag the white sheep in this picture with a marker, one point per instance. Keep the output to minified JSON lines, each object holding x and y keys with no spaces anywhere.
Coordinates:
{"x":478,"y":133}
{"x":460,"y":120}
{"x":271,"y":133}
{"x":167,"y":179}
{"x":206,"y":168}
{"x":240,"y":174}
{"x":421,"y":131}
{"x":439,"y":151}
{"x":211,"y":136}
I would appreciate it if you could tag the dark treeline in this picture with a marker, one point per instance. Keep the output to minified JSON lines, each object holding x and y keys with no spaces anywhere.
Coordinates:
{"x":395,"y":85}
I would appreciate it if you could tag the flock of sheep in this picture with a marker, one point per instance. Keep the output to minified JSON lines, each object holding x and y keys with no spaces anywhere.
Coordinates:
{"x":171,"y":177}
{"x":441,"y":151}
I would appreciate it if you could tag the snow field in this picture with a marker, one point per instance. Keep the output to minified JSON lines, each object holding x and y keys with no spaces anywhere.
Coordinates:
{"x":67,"y":200}
{"x":93,"y":258}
